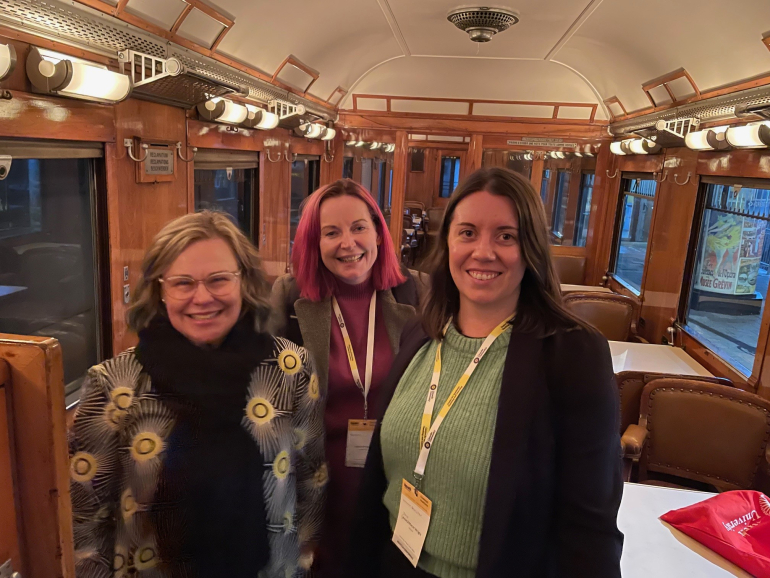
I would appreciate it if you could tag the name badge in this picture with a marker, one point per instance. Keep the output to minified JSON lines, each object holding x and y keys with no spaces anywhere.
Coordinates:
{"x":360,"y":433}
{"x":413,"y":521}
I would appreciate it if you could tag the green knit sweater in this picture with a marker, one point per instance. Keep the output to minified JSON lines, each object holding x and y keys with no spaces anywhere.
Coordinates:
{"x":457,"y":471}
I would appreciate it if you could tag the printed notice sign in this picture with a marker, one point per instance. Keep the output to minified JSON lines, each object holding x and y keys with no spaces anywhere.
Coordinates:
{"x":413,"y":521}
{"x":542,"y":142}
{"x":159,"y":161}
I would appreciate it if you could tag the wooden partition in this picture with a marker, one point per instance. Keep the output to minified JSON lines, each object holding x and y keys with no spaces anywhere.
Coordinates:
{"x":35,"y":508}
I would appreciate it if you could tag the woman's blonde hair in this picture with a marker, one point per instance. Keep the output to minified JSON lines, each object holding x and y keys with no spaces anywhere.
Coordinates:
{"x":172,"y":240}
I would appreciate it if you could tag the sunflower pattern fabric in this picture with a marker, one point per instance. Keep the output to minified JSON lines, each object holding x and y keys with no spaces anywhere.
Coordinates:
{"x":117,"y":449}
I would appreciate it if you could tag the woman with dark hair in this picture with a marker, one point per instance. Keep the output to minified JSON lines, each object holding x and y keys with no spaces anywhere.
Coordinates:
{"x":199,"y":452}
{"x":511,"y":466}
{"x":346,"y":302}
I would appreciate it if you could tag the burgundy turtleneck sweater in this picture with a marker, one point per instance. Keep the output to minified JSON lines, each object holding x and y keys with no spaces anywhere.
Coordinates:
{"x":345,"y":401}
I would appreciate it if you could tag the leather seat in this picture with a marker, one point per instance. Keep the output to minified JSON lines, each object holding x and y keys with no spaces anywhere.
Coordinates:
{"x":570,"y":269}
{"x":705,"y":432}
{"x":612,"y":314}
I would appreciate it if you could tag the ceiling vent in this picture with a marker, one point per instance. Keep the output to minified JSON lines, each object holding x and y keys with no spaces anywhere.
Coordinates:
{"x":482,"y":23}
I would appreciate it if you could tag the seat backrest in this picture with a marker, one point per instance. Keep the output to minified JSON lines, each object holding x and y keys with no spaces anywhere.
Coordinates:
{"x":630,"y":387}
{"x":612,"y":314}
{"x":704,"y":432}
{"x":570,"y":269}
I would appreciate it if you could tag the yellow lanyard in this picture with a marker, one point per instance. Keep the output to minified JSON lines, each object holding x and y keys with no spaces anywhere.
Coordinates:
{"x":428,"y":432}
{"x":367,"y":383}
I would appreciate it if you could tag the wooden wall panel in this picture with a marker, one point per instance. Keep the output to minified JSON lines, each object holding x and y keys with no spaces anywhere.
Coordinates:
{"x":275,"y":206}
{"x":44,"y":117}
{"x":641,"y":163}
{"x":41,"y":455}
{"x":423,"y":186}
{"x":400,"y":168}
{"x":210,"y":135}
{"x":595,"y":264}
{"x":138,"y":211}
{"x":668,"y":247}
{"x":9,"y":519}
{"x":332,"y":171}
{"x":475,"y":154}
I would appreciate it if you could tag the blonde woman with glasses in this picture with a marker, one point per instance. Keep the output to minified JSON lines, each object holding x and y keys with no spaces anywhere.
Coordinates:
{"x":199,"y":453}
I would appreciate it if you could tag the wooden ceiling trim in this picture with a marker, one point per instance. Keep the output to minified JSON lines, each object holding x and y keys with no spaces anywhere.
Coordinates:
{"x":292,"y":60}
{"x":665,"y":80}
{"x":339,"y":90}
{"x":143,"y":24}
{"x":181,"y":18}
{"x":389,"y":99}
{"x":615,"y":100}
{"x":766,"y":41}
{"x":211,"y":12}
{"x":480,"y":118}
{"x":120,"y":7}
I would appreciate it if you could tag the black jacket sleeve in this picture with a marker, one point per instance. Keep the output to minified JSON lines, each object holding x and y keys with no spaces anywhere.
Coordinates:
{"x":589,"y":483}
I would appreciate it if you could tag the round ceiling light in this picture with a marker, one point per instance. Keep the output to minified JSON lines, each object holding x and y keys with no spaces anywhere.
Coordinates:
{"x":482,"y":23}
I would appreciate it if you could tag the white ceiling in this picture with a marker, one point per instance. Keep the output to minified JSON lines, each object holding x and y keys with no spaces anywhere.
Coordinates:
{"x":561,"y":50}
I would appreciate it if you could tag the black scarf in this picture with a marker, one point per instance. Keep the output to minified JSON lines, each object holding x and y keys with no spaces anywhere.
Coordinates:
{"x":209,"y":508}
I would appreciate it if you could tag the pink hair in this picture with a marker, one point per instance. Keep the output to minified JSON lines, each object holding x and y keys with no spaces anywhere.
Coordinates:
{"x":315,"y":281}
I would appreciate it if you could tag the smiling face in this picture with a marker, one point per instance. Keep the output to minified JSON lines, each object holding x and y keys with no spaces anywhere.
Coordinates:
{"x":349,"y":241}
{"x":485,"y":258}
{"x":203,"y":318}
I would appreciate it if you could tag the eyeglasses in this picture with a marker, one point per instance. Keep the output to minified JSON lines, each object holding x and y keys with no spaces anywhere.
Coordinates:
{"x":184,"y":287}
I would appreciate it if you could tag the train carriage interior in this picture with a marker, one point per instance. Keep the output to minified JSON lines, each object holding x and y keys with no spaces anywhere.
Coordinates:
{"x":644,"y":126}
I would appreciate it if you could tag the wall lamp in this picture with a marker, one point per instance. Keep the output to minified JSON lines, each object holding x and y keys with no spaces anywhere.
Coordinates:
{"x":643,"y":146}
{"x":360,"y":143}
{"x":310,"y":130}
{"x":711,"y":139}
{"x":54,"y":73}
{"x":389,"y":148}
{"x":374,"y":146}
{"x":351,"y":143}
{"x":226,"y":111}
{"x":750,"y":136}
{"x":7,"y":60}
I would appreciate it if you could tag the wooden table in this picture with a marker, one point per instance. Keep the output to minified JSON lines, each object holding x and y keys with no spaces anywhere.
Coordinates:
{"x":653,"y":549}
{"x":647,"y":357}
{"x":566,"y":288}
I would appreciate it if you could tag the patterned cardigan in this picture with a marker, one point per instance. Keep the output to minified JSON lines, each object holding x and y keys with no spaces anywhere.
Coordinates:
{"x":117,"y":450}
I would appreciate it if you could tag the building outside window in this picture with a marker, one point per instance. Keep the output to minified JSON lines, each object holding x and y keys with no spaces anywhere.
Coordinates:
{"x":731,"y":271}
{"x":560,"y":203}
{"x":544,"y":185}
{"x":450,"y":176}
{"x":49,"y":270}
{"x":636,"y":205}
{"x":584,"y":209}
{"x":347,"y":168}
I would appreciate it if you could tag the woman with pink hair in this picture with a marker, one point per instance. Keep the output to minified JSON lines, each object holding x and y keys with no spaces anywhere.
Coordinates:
{"x":346,"y":302}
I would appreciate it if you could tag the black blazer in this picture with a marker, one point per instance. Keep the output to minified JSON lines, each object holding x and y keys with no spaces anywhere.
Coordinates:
{"x":555,"y":479}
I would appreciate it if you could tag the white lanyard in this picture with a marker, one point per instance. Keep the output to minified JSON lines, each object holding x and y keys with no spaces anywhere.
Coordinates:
{"x":367,"y":383}
{"x":428,"y":432}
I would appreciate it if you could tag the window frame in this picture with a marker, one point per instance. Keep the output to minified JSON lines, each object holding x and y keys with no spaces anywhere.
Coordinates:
{"x":579,"y":213}
{"x":455,"y":168}
{"x":680,"y":324}
{"x":618,"y":230}
{"x":557,"y":202}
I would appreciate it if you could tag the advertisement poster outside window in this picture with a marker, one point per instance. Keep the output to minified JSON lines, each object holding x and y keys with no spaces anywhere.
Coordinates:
{"x":731,"y":252}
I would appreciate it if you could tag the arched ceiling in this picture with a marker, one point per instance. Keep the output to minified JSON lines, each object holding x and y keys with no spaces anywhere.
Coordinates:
{"x":560,"y":51}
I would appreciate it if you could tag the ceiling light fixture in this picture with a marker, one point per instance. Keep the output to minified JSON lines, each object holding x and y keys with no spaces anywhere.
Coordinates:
{"x":223,"y":110}
{"x":54,"y":73}
{"x":329,"y":134}
{"x":310,"y":130}
{"x":7,"y":60}
{"x":360,"y":143}
{"x":617,"y":148}
{"x":374,"y":146}
{"x":643,"y":146}
{"x":750,"y":136}
{"x":351,"y":143}
{"x":260,"y":118}
{"x":389,"y":148}
{"x":482,"y":23}
{"x":708,"y":140}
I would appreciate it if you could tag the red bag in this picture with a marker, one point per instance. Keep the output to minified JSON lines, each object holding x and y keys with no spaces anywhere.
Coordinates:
{"x":735,"y":525}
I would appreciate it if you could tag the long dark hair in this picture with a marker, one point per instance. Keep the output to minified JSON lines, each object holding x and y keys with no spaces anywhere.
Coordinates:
{"x":540,"y":309}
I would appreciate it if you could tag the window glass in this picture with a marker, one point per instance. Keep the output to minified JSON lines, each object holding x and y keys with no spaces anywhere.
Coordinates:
{"x":366,"y":174}
{"x":347,"y":168}
{"x":584,"y":209}
{"x":304,"y":180}
{"x":450,"y":176}
{"x":228,"y":190}
{"x":544,"y":186}
{"x":637,"y":201}
{"x":48,"y":267}
{"x":560,"y":203}
{"x":381,"y":180}
{"x":730,"y":279}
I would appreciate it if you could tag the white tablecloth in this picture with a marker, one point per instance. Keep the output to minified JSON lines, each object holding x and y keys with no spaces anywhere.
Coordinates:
{"x":654,"y":358}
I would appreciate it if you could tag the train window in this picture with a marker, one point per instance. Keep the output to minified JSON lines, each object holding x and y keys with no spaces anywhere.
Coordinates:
{"x":544,"y":185}
{"x":366,"y":174}
{"x":347,"y":168}
{"x":450,"y":175}
{"x":731,"y":271}
{"x":49,"y":270}
{"x":227,"y":181}
{"x":636,"y":205}
{"x":382,"y":178}
{"x":584,"y":209}
{"x":305,"y":177}
{"x":560,"y":203}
